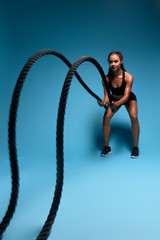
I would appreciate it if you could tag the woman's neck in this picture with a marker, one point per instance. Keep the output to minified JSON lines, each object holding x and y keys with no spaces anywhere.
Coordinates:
{"x":117,"y":73}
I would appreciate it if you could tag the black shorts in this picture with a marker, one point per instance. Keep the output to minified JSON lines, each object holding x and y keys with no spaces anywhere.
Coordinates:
{"x":132,"y":97}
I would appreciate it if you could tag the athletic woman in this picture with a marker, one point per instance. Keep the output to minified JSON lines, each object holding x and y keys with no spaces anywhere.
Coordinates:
{"x":120,"y":84}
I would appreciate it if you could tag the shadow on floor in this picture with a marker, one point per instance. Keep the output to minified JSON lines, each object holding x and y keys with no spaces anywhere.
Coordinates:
{"x":120,"y":135}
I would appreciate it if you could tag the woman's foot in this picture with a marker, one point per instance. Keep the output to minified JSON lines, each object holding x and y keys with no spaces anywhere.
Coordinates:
{"x":135,"y":152}
{"x":106,"y":151}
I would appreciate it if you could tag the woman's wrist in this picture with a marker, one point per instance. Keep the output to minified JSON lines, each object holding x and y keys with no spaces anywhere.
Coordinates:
{"x":106,"y":100}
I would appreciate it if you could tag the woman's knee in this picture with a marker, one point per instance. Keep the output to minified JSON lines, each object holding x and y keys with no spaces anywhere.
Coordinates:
{"x":107,"y":117}
{"x":134,"y":117}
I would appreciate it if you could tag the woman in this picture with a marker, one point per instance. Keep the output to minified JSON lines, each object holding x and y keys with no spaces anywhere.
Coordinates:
{"x":120,"y":84}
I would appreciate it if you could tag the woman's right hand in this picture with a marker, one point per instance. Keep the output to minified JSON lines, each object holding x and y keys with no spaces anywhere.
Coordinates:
{"x":102,"y":103}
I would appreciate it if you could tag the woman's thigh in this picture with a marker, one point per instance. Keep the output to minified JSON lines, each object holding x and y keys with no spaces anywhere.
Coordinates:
{"x":132,"y":108}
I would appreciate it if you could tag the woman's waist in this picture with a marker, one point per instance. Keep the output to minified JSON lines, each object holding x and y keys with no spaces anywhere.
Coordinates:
{"x":117,"y":96}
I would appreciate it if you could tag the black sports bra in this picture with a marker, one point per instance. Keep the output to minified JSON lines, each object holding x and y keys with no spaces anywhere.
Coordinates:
{"x":118,"y":90}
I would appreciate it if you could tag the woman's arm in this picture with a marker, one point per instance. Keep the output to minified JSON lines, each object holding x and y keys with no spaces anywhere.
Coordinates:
{"x":106,"y":98}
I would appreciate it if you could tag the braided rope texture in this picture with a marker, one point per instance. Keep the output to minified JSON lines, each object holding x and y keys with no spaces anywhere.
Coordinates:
{"x":12,"y":133}
{"x":60,"y":123}
{"x":59,"y":140}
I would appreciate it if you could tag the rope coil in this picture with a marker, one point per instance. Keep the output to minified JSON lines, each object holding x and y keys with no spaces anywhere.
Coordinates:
{"x":43,"y":235}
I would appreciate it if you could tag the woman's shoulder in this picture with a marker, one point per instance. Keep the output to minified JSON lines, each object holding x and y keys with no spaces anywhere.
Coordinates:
{"x":128,"y":76}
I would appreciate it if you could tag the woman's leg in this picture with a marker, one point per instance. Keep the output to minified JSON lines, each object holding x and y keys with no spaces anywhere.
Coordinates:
{"x":106,"y":124}
{"x":132,"y":109}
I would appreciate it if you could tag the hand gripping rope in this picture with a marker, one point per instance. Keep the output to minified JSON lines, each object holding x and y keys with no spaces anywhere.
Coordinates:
{"x":60,"y":125}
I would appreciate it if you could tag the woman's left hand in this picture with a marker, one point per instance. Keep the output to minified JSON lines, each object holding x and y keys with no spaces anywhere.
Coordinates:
{"x":114,"y":105}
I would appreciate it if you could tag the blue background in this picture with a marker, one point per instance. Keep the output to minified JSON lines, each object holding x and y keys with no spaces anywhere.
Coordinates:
{"x":103,"y":198}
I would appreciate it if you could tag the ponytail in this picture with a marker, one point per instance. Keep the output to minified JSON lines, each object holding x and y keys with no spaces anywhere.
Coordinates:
{"x":122,"y":67}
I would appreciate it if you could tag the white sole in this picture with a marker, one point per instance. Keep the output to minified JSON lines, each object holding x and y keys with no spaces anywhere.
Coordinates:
{"x":134,"y":156}
{"x":105,"y":155}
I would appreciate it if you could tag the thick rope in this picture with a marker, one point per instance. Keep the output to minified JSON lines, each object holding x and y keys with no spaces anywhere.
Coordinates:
{"x":12,"y":144}
{"x":45,"y":232}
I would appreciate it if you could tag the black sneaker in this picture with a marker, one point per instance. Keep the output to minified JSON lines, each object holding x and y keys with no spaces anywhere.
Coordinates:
{"x":135,"y":152}
{"x":106,"y":151}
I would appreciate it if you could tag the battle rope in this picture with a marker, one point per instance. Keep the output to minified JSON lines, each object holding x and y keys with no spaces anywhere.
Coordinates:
{"x":13,"y":152}
{"x":45,"y":232}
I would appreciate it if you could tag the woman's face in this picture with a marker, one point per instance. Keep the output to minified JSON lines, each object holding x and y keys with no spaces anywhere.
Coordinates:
{"x":114,"y":62}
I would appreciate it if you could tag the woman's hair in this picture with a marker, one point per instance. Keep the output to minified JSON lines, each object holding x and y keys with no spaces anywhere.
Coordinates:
{"x":110,"y":73}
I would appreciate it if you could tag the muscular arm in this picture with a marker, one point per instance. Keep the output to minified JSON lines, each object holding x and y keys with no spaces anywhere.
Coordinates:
{"x":127,"y":91}
{"x":106,"y":98}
